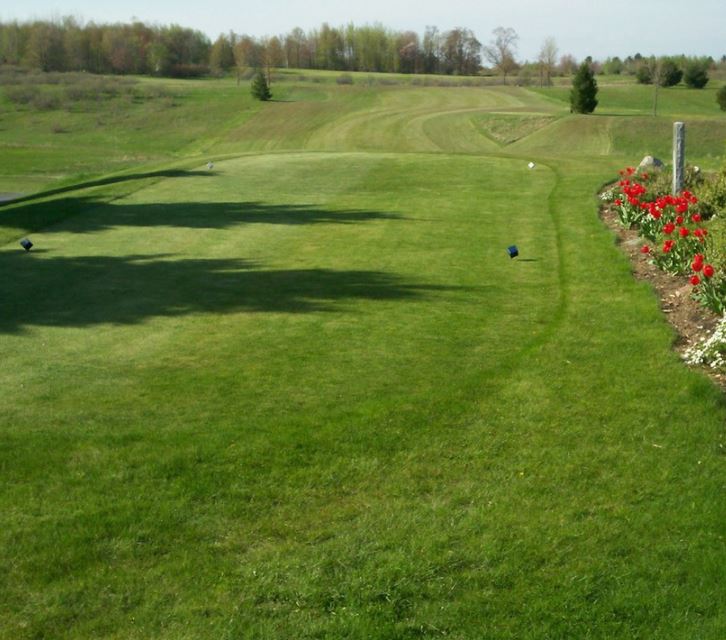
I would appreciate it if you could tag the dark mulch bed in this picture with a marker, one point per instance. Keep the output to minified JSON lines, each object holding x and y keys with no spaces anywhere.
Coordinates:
{"x":692,"y":321}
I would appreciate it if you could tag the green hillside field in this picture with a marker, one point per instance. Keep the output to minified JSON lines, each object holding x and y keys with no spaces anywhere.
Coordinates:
{"x":307,"y":394}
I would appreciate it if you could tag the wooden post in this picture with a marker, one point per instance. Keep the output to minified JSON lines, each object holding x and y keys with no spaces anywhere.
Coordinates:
{"x":679,"y":155}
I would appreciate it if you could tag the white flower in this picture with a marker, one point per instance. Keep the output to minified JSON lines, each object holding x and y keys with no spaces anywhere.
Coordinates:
{"x":711,"y":351}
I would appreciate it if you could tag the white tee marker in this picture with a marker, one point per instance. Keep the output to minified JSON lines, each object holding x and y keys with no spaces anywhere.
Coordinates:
{"x":531,"y":165}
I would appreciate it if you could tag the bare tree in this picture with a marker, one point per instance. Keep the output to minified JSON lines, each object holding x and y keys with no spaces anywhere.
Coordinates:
{"x":502,"y":49}
{"x":273,"y":56}
{"x":568,"y":65}
{"x":547,"y":60}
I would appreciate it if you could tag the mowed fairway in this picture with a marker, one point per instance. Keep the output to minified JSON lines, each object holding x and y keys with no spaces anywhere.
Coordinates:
{"x":307,"y":394}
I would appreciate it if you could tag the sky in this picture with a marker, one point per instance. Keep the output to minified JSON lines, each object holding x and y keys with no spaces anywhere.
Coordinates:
{"x":579,"y":27}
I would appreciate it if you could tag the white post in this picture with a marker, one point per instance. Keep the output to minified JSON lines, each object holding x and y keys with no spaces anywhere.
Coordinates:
{"x":679,"y":155}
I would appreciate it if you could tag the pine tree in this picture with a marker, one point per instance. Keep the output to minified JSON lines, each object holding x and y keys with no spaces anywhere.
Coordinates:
{"x":584,"y":90}
{"x":260,"y":90}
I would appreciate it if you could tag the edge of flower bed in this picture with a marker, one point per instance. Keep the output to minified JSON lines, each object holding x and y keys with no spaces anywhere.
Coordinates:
{"x":691,"y":321}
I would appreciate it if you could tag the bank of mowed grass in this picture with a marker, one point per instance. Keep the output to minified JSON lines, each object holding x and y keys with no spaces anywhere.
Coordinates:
{"x":307,"y":394}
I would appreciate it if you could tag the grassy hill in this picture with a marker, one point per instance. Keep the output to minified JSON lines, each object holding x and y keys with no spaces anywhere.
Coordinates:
{"x":308,"y":394}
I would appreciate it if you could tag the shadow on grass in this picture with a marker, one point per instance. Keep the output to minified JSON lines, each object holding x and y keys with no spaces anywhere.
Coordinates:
{"x":169,"y":173}
{"x":89,"y":290}
{"x":92,"y":214}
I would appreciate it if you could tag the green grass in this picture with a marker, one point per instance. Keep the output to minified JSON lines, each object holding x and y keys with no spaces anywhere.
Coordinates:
{"x":308,"y":395}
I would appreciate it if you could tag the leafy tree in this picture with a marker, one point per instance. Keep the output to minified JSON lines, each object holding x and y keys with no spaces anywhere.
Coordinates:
{"x":644,"y":74}
{"x":431,"y":50}
{"x":461,"y":52}
{"x":260,"y":90}
{"x":407,"y":44}
{"x":297,"y":49}
{"x":695,"y":75}
{"x":613,"y":66}
{"x":662,"y":71}
{"x":247,"y":53}
{"x":221,"y":56}
{"x":721,"y":97}
{"x":44,"y":49}
{"x":273,"y":55}
{"x":502,"y":49}
{"x":584,"y":90}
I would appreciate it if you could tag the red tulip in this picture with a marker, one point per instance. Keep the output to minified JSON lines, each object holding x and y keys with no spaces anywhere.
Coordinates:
{"x":708,"y":271}
{"x":695,"y":280}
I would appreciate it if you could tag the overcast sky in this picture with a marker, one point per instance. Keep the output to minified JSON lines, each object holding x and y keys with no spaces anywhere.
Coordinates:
{"x":580,"y":27}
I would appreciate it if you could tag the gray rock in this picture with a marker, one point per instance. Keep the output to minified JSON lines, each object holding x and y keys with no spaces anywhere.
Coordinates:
{"x":649,"y":162}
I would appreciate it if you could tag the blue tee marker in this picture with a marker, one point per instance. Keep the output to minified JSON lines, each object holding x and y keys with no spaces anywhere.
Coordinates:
{"x":513,"y":251}
{"x":26,"y":244}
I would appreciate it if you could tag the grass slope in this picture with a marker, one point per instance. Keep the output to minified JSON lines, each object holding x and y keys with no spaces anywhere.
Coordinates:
{"x":307,"y":394}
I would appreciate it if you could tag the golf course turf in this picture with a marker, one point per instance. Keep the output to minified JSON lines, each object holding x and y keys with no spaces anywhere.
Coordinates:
{"x":307,"y":393}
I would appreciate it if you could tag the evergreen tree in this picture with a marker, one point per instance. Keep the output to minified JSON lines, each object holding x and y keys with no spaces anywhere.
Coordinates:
{"x":260,"y":90}
{"x":584,"y":90}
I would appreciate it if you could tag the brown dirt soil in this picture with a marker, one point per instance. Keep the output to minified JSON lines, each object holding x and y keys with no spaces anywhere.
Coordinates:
{"x":691,"y":321}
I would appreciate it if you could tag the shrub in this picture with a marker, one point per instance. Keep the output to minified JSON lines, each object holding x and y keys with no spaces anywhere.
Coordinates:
{"x":188,"y":70}
{"x":721,"y":97}
{"x":643,"y":74}
{"x":670,"y":75}
{"x":695,"y":75}
{"x":524,"y":77}
{"x":21,"y":94}
{"x":388,"y":81}
{"x":46,"y":102}
{"x":713,"y":195}
{"x":666,"y":69}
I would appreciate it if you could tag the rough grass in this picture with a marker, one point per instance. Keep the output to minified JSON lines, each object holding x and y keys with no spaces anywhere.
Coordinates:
{"x":308,"y":395}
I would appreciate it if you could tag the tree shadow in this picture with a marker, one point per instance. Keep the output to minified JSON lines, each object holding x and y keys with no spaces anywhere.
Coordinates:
{"x":193,"y":215}
{"x":90,"y":290}
{"x":168,"y":173}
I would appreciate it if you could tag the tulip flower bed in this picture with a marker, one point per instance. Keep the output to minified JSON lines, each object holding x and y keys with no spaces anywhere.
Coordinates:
{"x":676,"y":231}
{"x":677,"y":242}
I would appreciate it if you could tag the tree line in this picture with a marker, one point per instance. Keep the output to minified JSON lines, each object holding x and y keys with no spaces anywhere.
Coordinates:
{"x":134,"y":48}
{"x":137,"y":48}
